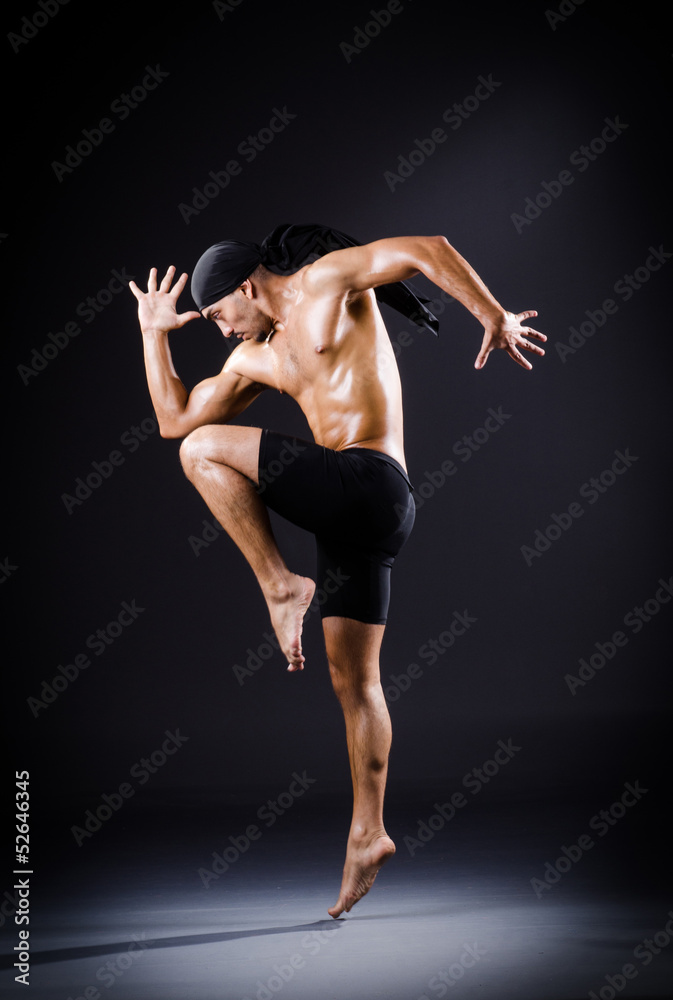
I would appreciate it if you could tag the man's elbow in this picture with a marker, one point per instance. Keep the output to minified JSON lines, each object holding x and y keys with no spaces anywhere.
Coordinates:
{"x":171,"y":431}
{"x":182,"y":428}
{"x":434,"y":251}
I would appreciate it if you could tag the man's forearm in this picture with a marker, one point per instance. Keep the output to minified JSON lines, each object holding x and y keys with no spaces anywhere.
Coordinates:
{"x":445,"y":267}
{"x":169,"y":395}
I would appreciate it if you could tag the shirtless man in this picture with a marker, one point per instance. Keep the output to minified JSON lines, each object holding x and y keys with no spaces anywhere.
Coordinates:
{"x":318,"y":336}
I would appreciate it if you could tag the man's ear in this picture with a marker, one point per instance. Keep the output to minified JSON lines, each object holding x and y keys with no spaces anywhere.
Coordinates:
{"x":247,"y":288}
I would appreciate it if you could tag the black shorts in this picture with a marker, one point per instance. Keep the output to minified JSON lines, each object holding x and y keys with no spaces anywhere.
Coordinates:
{"x":359,"y":505}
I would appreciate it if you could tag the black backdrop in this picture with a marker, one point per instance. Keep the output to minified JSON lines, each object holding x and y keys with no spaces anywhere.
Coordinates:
{"x":547,"y":227}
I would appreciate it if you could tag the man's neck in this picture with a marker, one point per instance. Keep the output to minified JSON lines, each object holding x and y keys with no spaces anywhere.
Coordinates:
{"x":276,"y":296}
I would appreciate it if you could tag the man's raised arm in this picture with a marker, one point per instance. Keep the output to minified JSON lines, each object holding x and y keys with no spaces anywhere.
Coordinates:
{"x":213,"y":401}
{"x":386,"y":261}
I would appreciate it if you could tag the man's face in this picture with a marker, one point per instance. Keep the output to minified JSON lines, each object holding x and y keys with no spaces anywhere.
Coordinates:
{"x":238,"y":315}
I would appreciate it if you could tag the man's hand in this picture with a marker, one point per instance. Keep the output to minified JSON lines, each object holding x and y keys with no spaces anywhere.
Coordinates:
{"x":157,"y":309}
{"x":508,"y":334}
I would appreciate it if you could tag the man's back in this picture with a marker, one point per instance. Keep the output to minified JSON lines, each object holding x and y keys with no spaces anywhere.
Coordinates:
{"x":334,"y":357}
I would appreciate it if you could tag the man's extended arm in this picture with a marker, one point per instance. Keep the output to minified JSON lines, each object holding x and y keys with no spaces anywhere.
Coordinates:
{"x":383,"y":262}
{"x":213,"y":401}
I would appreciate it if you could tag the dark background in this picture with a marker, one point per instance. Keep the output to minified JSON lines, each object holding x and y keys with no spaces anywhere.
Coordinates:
{"x":69,"y":572}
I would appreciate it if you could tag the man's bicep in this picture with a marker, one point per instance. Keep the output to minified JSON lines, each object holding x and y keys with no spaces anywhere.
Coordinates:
{"x":219,"y":399}
{"x":381,"y":262}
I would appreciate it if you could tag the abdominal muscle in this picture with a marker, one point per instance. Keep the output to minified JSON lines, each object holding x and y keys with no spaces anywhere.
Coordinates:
{"x":343,"y":374}
{"x":357,"y":416}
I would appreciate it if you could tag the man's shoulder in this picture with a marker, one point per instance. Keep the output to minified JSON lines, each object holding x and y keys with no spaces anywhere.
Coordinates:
{"x":320,"y":277}
{"x":329,"y":277}
{"x":249,"y":360}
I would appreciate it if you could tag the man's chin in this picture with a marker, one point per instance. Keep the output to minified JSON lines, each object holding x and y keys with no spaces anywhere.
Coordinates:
{"x":258,"y":337}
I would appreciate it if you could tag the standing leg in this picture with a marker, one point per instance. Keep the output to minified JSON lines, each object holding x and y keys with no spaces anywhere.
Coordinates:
{"x":353,"y":653}
{"x":222,"y":462}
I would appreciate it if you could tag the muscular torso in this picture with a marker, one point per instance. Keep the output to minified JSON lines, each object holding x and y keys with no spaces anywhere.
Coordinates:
{"x":334,"y":357}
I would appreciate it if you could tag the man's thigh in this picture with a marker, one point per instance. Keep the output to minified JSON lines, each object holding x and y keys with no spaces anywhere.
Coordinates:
{"x":353,"y":583}
{"x":351,"y":494}
{"x":236,"y":447}
{"x":295,"y":478}
{"x":359,"y":512}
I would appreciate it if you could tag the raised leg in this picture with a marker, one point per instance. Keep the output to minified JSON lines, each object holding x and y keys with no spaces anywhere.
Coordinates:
{"x":353,"y":653}
{"x":222,"y":463}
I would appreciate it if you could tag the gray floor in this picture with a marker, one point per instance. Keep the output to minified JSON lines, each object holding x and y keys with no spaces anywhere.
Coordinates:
{"x":133,"y":919}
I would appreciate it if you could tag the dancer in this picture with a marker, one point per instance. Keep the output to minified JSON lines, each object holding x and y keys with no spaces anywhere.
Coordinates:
{"x":313,"y":330}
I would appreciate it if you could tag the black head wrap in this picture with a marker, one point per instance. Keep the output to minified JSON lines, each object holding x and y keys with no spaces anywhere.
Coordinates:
{"x":225,"y":266}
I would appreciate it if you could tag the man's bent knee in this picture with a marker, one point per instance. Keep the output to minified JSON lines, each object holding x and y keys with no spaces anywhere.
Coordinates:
{"x":234,"y":447}
{"x":194,"y":447}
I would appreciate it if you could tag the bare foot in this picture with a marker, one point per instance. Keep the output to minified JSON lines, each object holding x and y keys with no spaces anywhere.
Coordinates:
{"x":287,"y":618}
{"x":362,"y":866}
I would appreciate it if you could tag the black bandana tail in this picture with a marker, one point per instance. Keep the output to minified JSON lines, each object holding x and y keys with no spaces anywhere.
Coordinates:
{"x":290,"y":247}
